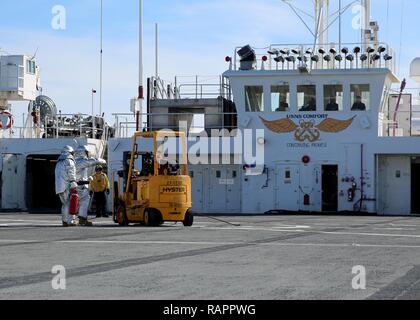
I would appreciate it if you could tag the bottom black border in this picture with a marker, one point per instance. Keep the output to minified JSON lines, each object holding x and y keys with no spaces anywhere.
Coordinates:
{"x":218,"y":309}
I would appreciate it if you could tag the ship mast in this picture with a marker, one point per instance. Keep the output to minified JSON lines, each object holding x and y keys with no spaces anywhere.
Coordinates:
{"x":101,"y":63}
{"x":140,"y":97}
{"x":321,"y":15}
{"x":366,"y":5}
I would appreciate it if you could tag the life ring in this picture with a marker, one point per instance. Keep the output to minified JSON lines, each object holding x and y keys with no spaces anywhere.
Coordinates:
{"x":10,"y":121}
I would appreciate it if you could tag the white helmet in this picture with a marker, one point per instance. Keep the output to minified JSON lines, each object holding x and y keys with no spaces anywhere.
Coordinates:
{"x":68,"y":150}
{"x":82,"y":151}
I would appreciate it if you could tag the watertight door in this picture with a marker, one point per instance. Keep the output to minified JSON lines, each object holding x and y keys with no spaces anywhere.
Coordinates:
{"x":233,"y":189}
{"x":330,"y":188}
{"x":394,"y":185}
{"x":12,"y":182}
{"x":217,"y":199}
{"x":197,"y":188}
{"x":287,"y":195}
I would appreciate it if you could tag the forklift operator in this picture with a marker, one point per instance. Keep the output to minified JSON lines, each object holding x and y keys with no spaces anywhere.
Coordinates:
{"x":169,"y":169}
{"x":147,"y":165}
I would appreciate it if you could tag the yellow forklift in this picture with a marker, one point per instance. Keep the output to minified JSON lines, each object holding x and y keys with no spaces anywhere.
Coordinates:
{"x":155,"y":193}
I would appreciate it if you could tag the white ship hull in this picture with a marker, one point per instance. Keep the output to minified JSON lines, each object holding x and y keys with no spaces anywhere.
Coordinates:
{"x":27,"y":172}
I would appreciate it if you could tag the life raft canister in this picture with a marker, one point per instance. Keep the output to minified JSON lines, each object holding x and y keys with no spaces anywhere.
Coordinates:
{"x":74,"y":202}
{"x":10,"y":121}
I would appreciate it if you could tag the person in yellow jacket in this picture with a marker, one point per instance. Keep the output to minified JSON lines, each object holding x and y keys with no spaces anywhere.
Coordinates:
{"x":98,"y":186}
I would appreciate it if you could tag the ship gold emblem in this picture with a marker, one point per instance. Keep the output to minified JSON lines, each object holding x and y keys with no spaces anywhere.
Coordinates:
{"x":307,"y":130}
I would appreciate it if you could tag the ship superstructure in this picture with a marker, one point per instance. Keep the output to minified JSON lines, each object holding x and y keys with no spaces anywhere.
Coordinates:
{"x":340,"y":130}
{"x":29,"y":151}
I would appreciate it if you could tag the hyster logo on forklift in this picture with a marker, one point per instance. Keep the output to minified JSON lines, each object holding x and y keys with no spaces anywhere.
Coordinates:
{"x":170,"y":189}
{"x":153,"y":192}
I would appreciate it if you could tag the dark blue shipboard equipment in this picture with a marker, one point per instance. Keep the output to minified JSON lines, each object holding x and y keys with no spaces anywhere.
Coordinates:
{"x":248,"y":59}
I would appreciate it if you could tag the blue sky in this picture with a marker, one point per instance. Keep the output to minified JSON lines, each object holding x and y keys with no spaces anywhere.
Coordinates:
{"x":195,"y":37}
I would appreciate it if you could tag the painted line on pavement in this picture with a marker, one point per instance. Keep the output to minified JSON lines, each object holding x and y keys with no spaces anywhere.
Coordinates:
{"x":351,"y":245}
{"x":205,"y":243}
{"x":317,"y":232}
{"x":29,"y":225}
{"x":16,"y":241}
{"x":28,"y":221}
{"x":149,"y":242}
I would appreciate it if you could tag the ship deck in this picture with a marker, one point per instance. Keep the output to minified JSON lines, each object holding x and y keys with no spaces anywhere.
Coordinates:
{"x":264,"y":257}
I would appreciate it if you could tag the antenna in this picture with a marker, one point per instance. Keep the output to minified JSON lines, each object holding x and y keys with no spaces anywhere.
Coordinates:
{"x":339,"y":24}
{"x":141,"y":87}
{"x":321,"y":18}
{"x":35,"y":53}
{"x":157,"y":50}
{"x":140,"y":93}
{"x":101,"y":62}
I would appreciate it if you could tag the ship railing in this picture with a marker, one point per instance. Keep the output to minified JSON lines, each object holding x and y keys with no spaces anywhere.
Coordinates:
{"x":190,"y":87}
{"x":126,"y":123}
{"x":60,"y":126}
{"x":50,"y":132}
{"x":402,"y":120}
{"x":162,"y":90}
{"x":400,"y":124}
{"x":414,"y":95}
{"x":307,"y":53}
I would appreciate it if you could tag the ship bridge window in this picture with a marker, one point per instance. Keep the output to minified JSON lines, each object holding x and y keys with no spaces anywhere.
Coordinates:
{"x":30,"y":67}
{"x":254,"y":98}
{"x":306,"y":95}
{"x":333,"y":97}
{"x":360,"y":97}
{"x":280,"y":98}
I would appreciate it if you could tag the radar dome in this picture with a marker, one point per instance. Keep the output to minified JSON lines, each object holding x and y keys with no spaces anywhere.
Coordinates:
{"x":415,"y":70}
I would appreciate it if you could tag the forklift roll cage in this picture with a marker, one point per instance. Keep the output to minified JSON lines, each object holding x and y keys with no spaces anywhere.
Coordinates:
{"x":156,"y":165}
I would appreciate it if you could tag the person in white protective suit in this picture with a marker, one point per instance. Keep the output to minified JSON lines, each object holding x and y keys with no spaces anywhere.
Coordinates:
{"x":65,"y":180}
{"x":83,"y":163}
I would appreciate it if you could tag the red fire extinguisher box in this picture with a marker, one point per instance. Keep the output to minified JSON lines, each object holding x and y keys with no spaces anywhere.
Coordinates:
{"x":74,"y":202}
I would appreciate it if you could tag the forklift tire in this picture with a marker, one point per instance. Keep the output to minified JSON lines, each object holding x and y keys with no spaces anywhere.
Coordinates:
{"x":151,"y":218}
{"x":189,"y":219}
{"x":122,"y":216}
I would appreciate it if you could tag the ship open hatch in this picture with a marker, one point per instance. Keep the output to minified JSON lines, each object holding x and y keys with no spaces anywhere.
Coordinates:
{"x":330,"y":188}
{"x":40,"y":184}
{"x":415,"y":186}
